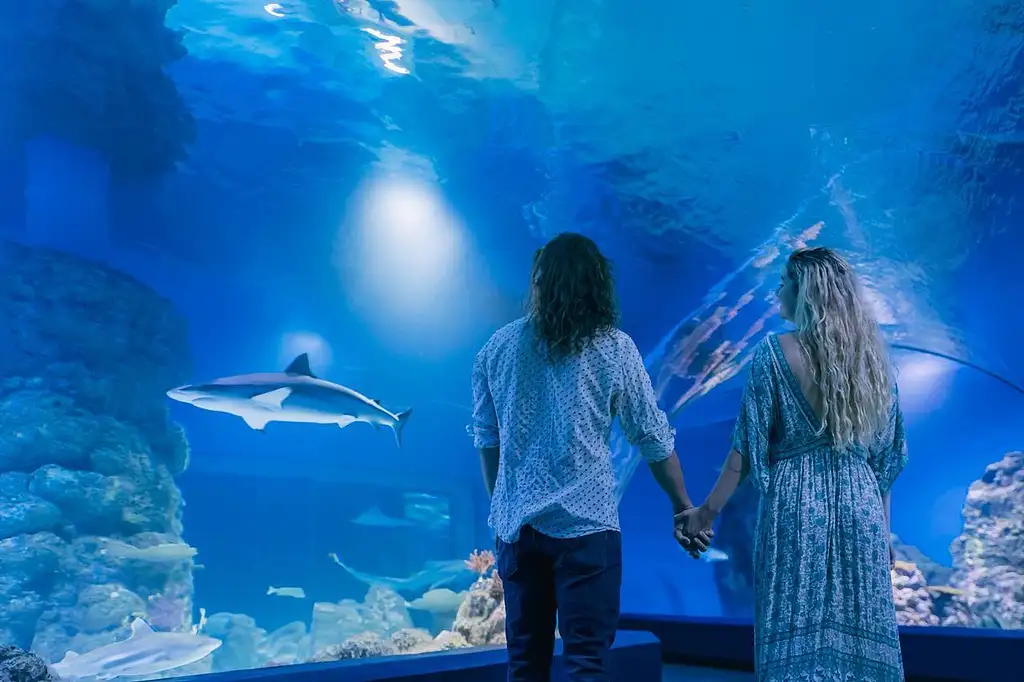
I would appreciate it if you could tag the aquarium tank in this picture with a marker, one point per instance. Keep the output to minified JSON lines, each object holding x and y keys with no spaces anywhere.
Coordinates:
{"x":209,"y":206}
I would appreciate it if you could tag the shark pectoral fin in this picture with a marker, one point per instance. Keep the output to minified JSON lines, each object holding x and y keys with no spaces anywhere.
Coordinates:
{"x":345,"y":421}
{"x":272,"y":398}
{"x":140,"y":628}
{"x":255,"y":422}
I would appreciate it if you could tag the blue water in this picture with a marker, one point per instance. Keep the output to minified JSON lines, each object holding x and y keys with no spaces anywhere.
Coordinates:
{"x":215,"y":189}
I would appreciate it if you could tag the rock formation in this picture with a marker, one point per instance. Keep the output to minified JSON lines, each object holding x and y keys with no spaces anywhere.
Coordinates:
{"x":87,"y":454}
{"x":481,"y":618}
{"x":988,"y":557}
{"x":17,"y":665}
{"x":93,"y":74}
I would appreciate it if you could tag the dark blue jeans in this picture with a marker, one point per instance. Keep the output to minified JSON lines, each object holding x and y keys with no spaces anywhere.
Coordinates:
{"x":577,"y":578}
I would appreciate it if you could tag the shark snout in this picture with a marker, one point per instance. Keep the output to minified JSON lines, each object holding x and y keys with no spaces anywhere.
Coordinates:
{"x":183,"y":394}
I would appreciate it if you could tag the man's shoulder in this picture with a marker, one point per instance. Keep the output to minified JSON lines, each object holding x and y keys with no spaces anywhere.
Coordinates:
{"x":618,"y":338}
{"x":508,"y":332}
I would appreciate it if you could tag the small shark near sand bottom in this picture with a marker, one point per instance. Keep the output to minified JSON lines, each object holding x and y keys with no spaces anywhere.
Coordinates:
{"x":294,"y":395}
{"x":434,"y":574}
{"x":144,"y":653}
{"x":165,"y":552}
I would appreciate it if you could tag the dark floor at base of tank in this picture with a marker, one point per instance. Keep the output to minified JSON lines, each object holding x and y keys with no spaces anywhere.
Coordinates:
{"x":685,"y":673}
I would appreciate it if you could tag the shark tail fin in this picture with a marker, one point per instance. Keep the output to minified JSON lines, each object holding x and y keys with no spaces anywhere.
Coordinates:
{"x":400,"y":419}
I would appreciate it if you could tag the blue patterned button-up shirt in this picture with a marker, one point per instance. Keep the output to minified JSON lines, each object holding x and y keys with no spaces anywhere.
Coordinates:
{"x":552,"y":423}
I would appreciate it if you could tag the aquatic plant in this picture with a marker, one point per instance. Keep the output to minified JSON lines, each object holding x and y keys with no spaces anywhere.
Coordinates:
{"x":480,"y":562}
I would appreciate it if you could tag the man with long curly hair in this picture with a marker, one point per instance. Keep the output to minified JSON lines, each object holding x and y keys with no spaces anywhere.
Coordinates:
{"x":545,"y":390}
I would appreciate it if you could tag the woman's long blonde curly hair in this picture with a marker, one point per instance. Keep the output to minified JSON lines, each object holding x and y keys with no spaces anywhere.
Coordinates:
{"x":842,"y":344}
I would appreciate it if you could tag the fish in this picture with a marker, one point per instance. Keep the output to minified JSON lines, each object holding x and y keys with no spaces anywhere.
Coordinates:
{"x":427,"y":510}
{"x":433,"y":575}
{"x":165,"y":552}
{"x":441,"y":600}
{"x":293,"y":592}
{"x":294,"y":395}
{"x":144,"y":653}
{"x":376,"y":518}
{"x":713,"y":555}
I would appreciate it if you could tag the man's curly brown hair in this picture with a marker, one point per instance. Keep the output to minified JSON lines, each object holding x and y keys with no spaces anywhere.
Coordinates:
{"x":572,"y":296}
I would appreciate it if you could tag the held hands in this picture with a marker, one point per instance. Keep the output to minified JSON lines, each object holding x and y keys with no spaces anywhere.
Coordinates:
{"x":693,"y":529}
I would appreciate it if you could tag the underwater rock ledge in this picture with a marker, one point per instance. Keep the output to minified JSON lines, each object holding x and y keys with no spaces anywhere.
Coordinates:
{"x":87,"y":454}
{"x":988,"y":557}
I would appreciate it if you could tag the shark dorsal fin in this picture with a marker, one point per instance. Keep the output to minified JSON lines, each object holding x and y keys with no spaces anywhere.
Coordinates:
{"x":300,"y":366}
{"x":140,"y":628}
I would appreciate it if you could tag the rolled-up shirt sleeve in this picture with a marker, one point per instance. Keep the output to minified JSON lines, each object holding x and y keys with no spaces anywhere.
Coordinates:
{"x":485,"y":419}
{"x":644,"y":424}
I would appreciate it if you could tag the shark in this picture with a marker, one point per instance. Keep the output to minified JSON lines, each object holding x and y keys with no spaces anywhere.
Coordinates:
{"x":376,"y":518}
{"x":144,"y":653}
{"x":434,"y":574}
{"x":164,"y":552}
{"x":294,"y":395}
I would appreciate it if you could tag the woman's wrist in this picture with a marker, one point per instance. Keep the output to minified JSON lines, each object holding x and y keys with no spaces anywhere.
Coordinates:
{"x":707,"y":514}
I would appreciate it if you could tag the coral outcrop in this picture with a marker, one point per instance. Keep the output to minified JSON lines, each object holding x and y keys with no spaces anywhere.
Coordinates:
{"x":988,"y":557}
{"x":87,"y":454}
{"x":380,"y":625}
{"x":18,"y":665}
{"x":481,"y":618}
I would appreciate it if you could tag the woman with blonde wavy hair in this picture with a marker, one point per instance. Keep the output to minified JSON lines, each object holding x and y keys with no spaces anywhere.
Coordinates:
{"x":820,"y":433}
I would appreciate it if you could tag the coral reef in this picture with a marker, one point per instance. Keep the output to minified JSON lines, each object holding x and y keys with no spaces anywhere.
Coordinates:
{"x":87,"y":454}
{"x":934,"y":573}
{"x":481,"y":618}
{"x":18,"y":665}
{"x":984,"y":587}
{"x":382,"y":612}
{"x":380,"y":625}
{"x":988,"y":557}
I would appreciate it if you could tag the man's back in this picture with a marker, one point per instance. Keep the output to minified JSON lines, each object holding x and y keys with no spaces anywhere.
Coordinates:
{"x":552,"y":420}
